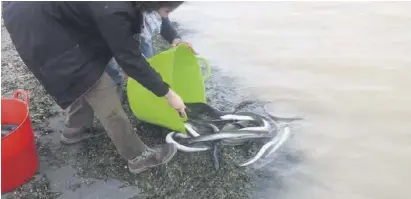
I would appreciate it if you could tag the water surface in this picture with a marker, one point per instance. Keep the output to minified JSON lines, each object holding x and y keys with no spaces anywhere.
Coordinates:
{"x":345,"y":66}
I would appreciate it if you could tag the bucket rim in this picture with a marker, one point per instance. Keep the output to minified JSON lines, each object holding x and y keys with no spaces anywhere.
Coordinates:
{"x":24,"y":102}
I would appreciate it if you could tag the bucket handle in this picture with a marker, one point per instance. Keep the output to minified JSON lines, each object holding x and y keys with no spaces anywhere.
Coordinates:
{"x":208,"y":74}
{"x":23,"y":93}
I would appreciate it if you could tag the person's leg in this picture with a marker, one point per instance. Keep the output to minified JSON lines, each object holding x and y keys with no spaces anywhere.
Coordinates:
{"x":79,"y":123}
{"x":107,"y":107}
{"x":115,"y":73}
{"x":113,"y":70}
{"x":146,"y":46}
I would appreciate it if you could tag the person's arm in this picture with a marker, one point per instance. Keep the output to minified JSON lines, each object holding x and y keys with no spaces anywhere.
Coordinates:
{"x":167,"y":31}
{"x":171,"y":35}
{"x":116,"y":29}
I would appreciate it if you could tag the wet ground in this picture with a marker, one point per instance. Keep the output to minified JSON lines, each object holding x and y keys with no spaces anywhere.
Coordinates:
{"x":93,"y":168}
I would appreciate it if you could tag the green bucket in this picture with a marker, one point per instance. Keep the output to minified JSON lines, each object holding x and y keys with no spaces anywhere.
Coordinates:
{"x":180,"y":68}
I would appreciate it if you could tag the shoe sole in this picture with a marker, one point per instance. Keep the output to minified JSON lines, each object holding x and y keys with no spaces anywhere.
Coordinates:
{"x":137,"y":171}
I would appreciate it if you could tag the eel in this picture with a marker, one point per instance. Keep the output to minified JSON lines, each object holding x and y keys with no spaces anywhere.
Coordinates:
{"x":273,"y":144}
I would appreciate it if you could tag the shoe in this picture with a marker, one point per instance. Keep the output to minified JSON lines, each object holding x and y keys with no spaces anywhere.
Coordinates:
{"x":152,"y":158}
{"x":75,"y":135}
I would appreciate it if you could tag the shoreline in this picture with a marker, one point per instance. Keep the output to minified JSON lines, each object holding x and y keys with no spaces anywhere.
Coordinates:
{"x":94,"y":169}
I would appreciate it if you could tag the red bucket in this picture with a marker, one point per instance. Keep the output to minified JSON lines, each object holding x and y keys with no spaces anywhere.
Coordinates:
{"x":19,"y":159}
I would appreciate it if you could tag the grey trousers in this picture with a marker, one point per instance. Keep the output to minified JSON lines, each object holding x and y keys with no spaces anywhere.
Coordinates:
{"x":103,"y":101}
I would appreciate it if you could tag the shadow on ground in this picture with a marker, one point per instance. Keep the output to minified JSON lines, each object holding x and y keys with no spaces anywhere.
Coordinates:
{"x":93,"y":168}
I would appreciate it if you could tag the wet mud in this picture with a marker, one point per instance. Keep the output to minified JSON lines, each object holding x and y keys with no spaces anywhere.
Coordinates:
{"x":94,"y":169}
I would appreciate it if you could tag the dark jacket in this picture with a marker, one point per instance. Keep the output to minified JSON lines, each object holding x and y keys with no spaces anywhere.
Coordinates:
{"x":68,"y":44}
{"x":167,"y":31}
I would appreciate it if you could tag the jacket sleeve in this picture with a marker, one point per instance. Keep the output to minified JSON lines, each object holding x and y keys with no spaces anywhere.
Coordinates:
{"x":167,"y":30}
{"x":116,"y":29}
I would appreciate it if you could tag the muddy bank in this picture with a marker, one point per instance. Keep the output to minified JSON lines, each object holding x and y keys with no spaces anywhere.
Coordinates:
{"x":93,"y":169}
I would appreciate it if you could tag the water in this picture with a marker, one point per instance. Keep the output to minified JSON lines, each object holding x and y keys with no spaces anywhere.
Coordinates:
{"x":344,"y":66}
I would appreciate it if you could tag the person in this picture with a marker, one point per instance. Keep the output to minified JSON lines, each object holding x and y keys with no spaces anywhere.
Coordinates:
{"x":152,"y":27}
{"x":67,"y":45}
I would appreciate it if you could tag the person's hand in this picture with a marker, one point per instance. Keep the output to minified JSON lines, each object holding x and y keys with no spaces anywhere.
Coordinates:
{"x":179,"y":41}
{"x":175,"y":101}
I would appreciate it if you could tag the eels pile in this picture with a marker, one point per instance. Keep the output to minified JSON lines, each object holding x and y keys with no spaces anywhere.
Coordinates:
{"x":208,"y":129}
